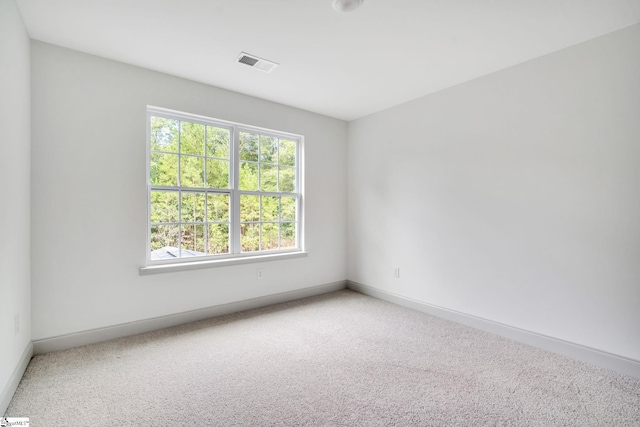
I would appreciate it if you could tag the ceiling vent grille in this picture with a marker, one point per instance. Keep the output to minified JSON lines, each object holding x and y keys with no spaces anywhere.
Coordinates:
{"x":255,"y":62}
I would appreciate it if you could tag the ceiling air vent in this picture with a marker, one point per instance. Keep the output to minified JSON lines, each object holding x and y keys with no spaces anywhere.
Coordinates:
{"x":255,"y":62}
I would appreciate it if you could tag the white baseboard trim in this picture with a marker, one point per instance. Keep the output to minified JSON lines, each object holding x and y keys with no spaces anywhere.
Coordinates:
{"x":14,"y":380}
{"x":593,"y":356}
{"x":93,"y":336}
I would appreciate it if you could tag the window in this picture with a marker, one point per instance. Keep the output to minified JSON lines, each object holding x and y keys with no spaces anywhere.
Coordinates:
{"x":220,"y":190}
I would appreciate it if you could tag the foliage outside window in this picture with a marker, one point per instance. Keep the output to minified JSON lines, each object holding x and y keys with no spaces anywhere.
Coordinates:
{"x":219,"y":189}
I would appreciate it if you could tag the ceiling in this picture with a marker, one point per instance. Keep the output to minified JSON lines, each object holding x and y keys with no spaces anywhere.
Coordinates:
{"x":344,"y":65}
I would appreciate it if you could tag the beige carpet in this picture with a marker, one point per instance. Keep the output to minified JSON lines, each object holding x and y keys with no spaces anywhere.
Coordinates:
{"x":341,"y":359}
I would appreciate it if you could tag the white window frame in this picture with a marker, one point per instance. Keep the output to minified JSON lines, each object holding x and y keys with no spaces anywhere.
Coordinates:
{"x":235,"y":255}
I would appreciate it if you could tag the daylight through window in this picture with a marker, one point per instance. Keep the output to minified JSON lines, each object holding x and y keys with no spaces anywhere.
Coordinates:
{"x":219,"y":189}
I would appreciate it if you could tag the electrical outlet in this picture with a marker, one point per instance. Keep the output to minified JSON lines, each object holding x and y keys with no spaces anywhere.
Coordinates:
{"x":16,"y":324}
{"x":259,"y":274}
{"x":396,"y":272}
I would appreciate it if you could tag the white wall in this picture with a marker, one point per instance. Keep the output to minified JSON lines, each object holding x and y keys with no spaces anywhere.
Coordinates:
{"x":89,"y":195}
{"x":514,"y":197}
{"x":15,"y":291}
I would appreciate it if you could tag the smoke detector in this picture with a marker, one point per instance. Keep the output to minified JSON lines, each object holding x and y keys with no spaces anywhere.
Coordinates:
{"x":255,"y":62}
{"x":346,"y":5}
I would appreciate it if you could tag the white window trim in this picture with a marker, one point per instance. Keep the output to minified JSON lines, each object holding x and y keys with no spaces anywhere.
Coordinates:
{"x":220,"y":260}
{"x":226,"y":262}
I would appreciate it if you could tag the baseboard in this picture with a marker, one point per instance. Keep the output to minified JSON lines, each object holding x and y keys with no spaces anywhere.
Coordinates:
{"x":14,"y":380}
{"x":593,"y":356}
{"x":93,"y":336}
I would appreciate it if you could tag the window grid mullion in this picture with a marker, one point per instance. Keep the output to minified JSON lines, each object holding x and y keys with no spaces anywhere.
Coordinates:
{"x":259,"y":162}
{"x":205,"y":230}
{"x":259,"y":217}
{"x":298,"y":189}
{"x":180,"y":223}
{"x":235,"y":226}
{"x":179,"y":180}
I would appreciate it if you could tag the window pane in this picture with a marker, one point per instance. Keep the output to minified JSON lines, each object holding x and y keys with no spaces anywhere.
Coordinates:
{"x":250,"y":237}
{"x":163,"y":236}
{"x":191,"y":171}
{"x":192,"y":240}
{"x":164,"y":134}
{"x":218,"y":239}
{"x":218,"y":173}
{"x":164,"y":206}
{"x":218,"y":207}
{"x":218,"y":142}
{"x":192,"y":208}
{"x":287,"y":153}
{"x":270,"y":208}
{"x":287,"y":179}
{"x":288,"y":209}
{"x":268,"y":149}
{"x":269,"y":236}
{"x":191,"y":138}
{"x":288,"y":235}
{"x":249,"y":208}
{"x":164,"y":169}
{"x":192,"y":179}
{"x":248,"y":146}
{"x":248,"y":176}
{"x":268,"y":178}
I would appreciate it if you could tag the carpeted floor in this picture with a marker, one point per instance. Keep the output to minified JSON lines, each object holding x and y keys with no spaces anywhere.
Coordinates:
{"x":341,"y":359}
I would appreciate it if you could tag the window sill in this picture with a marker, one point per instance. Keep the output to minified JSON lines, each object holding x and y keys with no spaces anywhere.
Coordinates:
{"x":183,"y":266}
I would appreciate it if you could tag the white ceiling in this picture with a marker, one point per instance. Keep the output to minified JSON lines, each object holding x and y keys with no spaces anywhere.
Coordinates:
{"x":341,"y":65}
